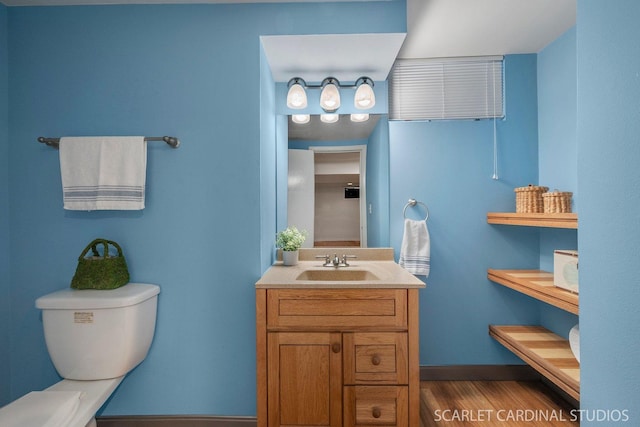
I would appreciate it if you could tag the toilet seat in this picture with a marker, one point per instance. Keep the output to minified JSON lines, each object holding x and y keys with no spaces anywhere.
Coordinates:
{"x":41,"y":408}
{"x":94,"y":394}
{"x":67,"y":403}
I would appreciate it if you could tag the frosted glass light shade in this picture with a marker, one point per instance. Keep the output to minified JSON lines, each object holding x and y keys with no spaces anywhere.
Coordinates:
{"x":296,"y":97}
{"x":359,"y":117}
{"x":365,"y":97}
{"x":329,"y":118}
{"x":300,"y":118}
{"x":330,"y":98}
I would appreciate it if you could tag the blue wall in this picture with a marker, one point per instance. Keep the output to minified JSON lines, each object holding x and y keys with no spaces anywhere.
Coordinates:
{"x":268,"y":163}
{"x":193,"y":71}
{"x":448,"y":166}
{"x":557,"y":111}
{"x":558,"y":154}
{"x":5,"y":313}
{"x":609,"y":238}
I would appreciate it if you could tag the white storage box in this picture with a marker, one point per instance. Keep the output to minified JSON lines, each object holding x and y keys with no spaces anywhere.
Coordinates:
{"x":565,"y":269}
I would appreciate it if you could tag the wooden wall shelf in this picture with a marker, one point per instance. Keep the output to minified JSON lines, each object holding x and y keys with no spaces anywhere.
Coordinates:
{"x":537,"y":284}
{"x":556,"y":220}
{"x":546,"y":352}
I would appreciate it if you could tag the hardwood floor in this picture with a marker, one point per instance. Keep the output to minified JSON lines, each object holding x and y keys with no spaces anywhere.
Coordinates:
{"x":443,"y":404}
{"x":493,"y":403}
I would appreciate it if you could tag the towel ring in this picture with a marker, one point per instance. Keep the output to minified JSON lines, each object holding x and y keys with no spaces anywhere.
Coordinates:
{"x":413,"y":202}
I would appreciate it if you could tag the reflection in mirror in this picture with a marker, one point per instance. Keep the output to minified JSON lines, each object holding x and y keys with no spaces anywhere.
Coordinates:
{"x":338,"y":181}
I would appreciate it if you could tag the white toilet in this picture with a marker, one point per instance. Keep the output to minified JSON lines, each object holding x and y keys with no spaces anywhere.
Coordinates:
{"x":94,"y":338}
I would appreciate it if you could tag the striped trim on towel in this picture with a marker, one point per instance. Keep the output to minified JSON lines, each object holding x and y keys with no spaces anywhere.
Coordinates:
{"x":105,"y":193}
{"x":415,"y":264}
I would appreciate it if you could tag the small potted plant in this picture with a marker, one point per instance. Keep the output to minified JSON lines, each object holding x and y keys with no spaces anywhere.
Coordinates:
{"x":290,"y":240}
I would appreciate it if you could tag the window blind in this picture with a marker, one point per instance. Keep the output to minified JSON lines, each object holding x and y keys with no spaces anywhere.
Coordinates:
{"x":449,"y":88}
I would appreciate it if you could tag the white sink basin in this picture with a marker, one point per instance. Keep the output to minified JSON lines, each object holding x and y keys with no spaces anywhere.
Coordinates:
{"x":337,"y":275}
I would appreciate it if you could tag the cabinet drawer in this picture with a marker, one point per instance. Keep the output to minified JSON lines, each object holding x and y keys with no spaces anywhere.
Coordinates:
{"x":375,"y":358}
{"x":375,"y":406}
{"x":336,"y":308}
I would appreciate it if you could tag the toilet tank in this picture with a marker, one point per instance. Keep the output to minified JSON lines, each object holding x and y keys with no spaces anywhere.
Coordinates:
{"x":99,"y":334}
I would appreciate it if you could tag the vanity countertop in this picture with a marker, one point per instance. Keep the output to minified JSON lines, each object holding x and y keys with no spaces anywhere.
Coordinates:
{"x":388,"y":274}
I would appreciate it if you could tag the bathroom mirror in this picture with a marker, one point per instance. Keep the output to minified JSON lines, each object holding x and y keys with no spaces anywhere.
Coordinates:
{"x":338,"y":181}
{"x":347,"y":58}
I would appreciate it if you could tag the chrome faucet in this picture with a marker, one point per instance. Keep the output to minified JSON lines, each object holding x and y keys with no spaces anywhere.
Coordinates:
{"x":335,"y":261}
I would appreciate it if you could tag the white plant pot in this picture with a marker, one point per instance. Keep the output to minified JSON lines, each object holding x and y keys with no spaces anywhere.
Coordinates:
{"x":289,"y":257}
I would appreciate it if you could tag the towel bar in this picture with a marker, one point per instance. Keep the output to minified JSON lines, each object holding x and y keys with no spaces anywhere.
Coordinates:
{"x":171,"y":140}
{"x":413,"y":202}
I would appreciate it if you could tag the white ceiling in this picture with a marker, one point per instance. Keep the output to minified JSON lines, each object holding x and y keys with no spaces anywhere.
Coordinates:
{"x":445,"y":28}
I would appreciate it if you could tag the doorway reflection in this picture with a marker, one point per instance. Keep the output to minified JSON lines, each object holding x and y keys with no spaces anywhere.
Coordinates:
{"x":337,"y":199}
{"x":352,"y":203}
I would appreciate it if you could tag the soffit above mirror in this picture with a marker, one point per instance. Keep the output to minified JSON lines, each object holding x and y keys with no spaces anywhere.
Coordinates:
{"x":343,"y":56}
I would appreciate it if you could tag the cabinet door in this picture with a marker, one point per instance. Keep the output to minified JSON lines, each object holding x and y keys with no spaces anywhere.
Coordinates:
{"x":304,"y":379}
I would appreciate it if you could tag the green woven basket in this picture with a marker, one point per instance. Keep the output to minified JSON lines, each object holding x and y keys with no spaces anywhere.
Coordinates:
{"x":100,"y":272}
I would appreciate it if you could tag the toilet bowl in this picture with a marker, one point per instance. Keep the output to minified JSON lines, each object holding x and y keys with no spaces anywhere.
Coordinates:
{"x":94,"y":338}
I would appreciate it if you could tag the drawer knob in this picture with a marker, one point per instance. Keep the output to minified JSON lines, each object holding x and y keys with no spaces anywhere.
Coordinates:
{"x":375,"y":359}
{"x":376,"y":412}
{"x":335,"y":347}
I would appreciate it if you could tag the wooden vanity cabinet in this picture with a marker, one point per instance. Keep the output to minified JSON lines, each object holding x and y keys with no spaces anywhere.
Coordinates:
{"x":337,"y":357}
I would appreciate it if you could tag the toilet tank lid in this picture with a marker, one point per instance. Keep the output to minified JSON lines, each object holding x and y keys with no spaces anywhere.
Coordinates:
{"x":129,"y":294}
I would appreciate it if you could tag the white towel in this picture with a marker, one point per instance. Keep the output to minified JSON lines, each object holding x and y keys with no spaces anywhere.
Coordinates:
{"x":103,"y":173}
{"x":42,"y":409}
{"x":415,"y":252}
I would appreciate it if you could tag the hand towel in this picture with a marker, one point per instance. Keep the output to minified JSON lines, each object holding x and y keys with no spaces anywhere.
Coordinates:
{"x":54,"y":409}
{"x":415,"y":252}
{"x":103,"y":173}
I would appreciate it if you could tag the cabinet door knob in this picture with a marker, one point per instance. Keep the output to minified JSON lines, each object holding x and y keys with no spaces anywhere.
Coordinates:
{"x":376,"y":412}
{"x":335,"y":347}
{"x":375,"y":359}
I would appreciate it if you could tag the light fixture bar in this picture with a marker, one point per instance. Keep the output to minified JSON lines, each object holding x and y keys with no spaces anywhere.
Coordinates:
{"x":330,"y":96}
{"x":355,"y":85}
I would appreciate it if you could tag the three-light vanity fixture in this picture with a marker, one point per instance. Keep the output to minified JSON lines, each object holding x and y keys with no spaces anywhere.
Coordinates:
{"x":364,"y":98}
